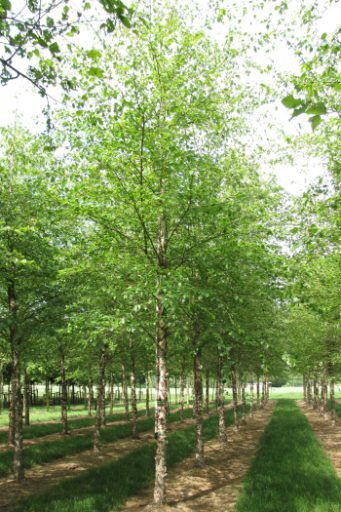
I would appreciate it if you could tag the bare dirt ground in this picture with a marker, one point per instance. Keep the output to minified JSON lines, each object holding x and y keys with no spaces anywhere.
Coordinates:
{"x":329,"y":436}
{"x":42,"y":477}
{"x":216,"y":486}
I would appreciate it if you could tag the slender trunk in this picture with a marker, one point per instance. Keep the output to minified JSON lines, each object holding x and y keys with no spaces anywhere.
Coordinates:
{"x":207,"y":395}
{"x":18,"y":435}
{"x":324,"y":389}
{"x":1,"y":388}
{"x":308,"y":384}
{"x":111,"y":384}
{"x":263,"y":393}
{"x":100,"y":398}
{"x":64,"y":397}
{"x":90,"y":395}
{"x":147,"y":393}
{"x":103,"y":417}
{"x":234,"y":397}
{"x":125,"y":392}
{"x":304,"y":388}
{"x":161,"y":383}
{"x":182,"y":394}
{"x":198,"y":406}
{"x":217,"y":384}
{"x":316,"y":389}
{"x":243,"y":419}
{"x":332,"y":401}
{"x":47,"y":394}
{"x":187,"y":391}
{"x":15,"y":371}
{"x":258,"y":393}
{"x":26,"y":398}
{"x":221,"y":406}
{"x":133,"y":392}
{"x":251,"y":398}
{"x":176,"y":390}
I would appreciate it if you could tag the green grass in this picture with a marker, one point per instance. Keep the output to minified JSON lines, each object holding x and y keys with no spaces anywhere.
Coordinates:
{"x":291,"y":472}
{"x":107,"y":487}
{"x":40,"y":414}
{"x":47,"y":451}
{"x":41,"y":430}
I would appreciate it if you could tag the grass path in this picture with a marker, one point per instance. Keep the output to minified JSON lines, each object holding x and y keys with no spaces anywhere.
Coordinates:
{"x":291,"y":472}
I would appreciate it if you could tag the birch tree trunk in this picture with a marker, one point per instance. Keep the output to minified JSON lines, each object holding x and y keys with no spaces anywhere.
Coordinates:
{"x":133,"y":391}
{"x":332,"y":401}
{"x":147,"y":393}
{"x":308,"y":384}
{"x":64,"y":397}
{"x":316,"y":389}
{"x":161,"y":389}
{"x":182,"y":394}
{"x":251,"y":398}
{"x":221,"y":405}
{"x":100,"y":398}
{"x":324,"y":392}
{"x":207,"y":395}
{"x":258,"y":393}
{"x":198,"y":405}
{"x":234,"y":396}
{"x":125,"y":392}
{"x":243,"y":419}
{"x":26,"y":398}
{"x":111,"y":392}
{"x":90,"y":395}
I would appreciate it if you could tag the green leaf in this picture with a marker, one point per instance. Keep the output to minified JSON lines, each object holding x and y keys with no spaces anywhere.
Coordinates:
{"x":54,"y":48}
{"x":291,"y":102}
{"x":315,"y":121}
{"x":94,"y":54}
{"x":298,"y":111}
{"x":317,"y":109}
{"x":95,"y":71}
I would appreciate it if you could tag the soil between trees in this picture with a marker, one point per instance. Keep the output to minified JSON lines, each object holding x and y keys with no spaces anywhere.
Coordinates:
{"x":214,"y":487}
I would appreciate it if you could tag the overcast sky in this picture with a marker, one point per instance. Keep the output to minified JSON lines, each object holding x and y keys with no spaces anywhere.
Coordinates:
{"x":20,"y":101}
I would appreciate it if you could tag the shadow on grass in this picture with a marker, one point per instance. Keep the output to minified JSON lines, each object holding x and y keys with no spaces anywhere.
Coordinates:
{"x":107,"y":487}
{"x":291,"y":472}
{"x":47,"y":451}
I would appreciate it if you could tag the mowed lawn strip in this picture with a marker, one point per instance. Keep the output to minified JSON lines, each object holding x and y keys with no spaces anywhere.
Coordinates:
{"x":107,"y":488}
{"x":47,"y":451}
{"x":36,"y":430}
{"x":291,"y":472}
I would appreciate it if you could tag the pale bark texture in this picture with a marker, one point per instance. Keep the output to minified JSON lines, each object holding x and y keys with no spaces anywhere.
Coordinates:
{"x":243,"y":419}
{"x":147,"y":393}
{"x":111,"y":384}
{"x":161,"y":402}
{"x":26,"y":398}
{"x":251,"y":398}
{"x":332,"y":401}
{"x":125,"y":392}
{"x":90,"y":396}
{"x":221,"y":406}
{"x":64,"y":397}
{"x":324,"y":392}
{"x":316,"y":389}
{"x":133,"y":392}
{"x":207,"y":395}
{"x":308,"y":385}
{"x":258,"y":393}
{"x":234,"y":397}
{"x":198,"y":407}
{"x":182,"y":394}
{"x":100,"y":399}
